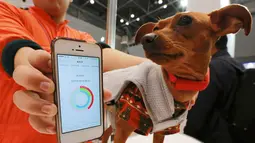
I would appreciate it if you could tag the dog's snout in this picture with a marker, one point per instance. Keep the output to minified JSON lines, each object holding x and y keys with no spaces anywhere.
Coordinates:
{"x":149,"y":38}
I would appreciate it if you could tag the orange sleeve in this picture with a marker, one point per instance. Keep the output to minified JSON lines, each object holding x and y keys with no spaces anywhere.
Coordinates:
{"x":11,"y":28}
{"x":87,"y":37}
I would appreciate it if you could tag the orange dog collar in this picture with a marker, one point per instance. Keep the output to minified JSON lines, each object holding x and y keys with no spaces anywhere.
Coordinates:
{"x":185,"y":84}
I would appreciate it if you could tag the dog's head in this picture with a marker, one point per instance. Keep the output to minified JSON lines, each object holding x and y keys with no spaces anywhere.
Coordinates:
{"x":182,"y":43}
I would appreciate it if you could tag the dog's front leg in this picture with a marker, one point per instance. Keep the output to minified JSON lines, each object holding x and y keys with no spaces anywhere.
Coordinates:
{"x":106,"y":135}
{"x":158,"y":138}
{"x":123,"y":131}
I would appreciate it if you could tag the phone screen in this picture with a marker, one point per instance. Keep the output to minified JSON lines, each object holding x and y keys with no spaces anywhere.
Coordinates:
{"x":79,"y":90}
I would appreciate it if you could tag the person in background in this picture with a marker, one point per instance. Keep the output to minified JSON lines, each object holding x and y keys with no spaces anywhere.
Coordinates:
{"x":26,"y":89}
{"x":205,"y":120}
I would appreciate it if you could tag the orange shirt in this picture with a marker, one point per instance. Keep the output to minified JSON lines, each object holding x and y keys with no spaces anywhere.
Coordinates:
{"x":36,"y":25}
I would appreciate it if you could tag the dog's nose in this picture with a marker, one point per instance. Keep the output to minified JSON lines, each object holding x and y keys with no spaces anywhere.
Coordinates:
{"x":149,"y":38}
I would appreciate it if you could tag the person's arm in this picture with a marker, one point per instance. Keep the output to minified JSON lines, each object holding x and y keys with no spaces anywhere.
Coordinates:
{"x":114,"y":59}
{"x":13,"y":37}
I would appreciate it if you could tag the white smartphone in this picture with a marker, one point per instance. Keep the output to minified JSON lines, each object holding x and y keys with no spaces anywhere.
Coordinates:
{"x":77,"y":73}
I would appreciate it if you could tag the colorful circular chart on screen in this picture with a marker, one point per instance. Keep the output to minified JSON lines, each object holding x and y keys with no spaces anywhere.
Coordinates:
{"x":82,"y":98}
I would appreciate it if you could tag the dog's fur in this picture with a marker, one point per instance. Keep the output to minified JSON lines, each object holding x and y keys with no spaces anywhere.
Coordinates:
{"x":182,"y":45}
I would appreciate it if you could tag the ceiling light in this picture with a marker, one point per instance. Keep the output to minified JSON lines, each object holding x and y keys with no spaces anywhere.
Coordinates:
{"x":92,"y":1}
{"x":102,"y":39}
{"x":122,"y":20}
{"x":165,"y":6}
{"x":137,"y":19}
{"x":127,"y":23}
{"x":132,"y":15}
{"x":184,"y":3}
{"x":160,"y":1}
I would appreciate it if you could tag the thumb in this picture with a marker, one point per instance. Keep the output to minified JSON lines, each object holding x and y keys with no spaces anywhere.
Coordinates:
{"x":41,"y":60}
{"x":107,"y":95}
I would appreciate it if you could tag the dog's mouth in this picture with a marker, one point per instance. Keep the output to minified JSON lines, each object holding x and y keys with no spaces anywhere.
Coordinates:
{"x":168,"y":56}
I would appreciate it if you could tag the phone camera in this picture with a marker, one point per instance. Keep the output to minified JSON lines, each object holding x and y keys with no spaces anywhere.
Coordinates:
{"x":72,"y":49}
{"x":79,"y":46}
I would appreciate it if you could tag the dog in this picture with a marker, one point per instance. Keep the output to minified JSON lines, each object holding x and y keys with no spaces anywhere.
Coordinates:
{"x":181,"y":45}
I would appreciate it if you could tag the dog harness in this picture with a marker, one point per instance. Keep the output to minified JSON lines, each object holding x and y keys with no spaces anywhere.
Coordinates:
{"x":156,"y":98}
{"x":130,"y":107}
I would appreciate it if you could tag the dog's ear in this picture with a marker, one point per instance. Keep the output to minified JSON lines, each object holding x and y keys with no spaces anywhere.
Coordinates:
{"x":143,"y":30}
{"x":231,"y":19}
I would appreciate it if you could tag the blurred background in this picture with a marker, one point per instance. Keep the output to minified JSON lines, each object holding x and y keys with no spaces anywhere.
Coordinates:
{"x":91,"y":16}
{"x":131,"y":14}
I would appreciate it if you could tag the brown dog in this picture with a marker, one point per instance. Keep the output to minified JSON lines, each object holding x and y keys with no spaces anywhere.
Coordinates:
{"x":182,"y":45}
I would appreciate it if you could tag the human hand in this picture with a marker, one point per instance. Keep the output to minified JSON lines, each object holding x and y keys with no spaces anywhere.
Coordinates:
{"x":37,"y":99}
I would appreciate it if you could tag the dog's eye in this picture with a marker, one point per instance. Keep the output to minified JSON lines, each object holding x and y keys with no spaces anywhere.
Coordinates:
{"x":156,"y":28}
{"x":184,"y":21}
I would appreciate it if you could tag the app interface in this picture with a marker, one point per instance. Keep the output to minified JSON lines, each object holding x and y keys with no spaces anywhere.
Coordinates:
{"x":79,"y":87}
